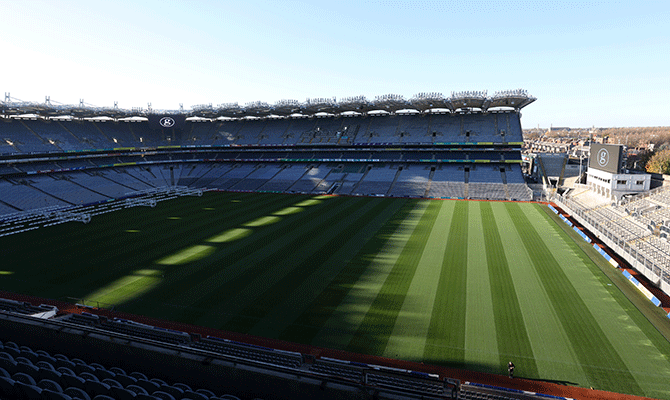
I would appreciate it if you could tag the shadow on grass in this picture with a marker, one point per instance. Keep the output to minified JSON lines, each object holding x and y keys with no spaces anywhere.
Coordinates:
{"x":555,"y":381}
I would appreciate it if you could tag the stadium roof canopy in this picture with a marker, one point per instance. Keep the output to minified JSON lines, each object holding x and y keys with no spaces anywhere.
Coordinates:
{"x":429,"y":101}
{"x":422,"y":102}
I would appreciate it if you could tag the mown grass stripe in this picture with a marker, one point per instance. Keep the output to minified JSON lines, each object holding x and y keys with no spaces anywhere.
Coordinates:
{"x":291,"y":306}
{"x":587,"y":337}
{"x":445,"y":342}
{"x":377,"y":325}
{"x":408,"y":340}
{"x":511,"y":334}
{"x":341,"y":326}
{"x":554,"y":354}
{"x":481,"y":352}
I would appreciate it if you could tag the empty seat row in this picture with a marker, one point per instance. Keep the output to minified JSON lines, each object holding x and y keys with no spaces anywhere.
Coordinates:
{"x":256,"y":353}
{"x":29,"y":374}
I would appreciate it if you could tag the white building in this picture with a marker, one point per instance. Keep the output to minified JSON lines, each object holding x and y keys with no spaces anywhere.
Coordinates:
{"x":614,"y":186}
{"x":605,"y":175}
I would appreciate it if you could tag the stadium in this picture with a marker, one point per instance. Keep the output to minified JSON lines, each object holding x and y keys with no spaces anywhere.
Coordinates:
{"x":351,"y":248}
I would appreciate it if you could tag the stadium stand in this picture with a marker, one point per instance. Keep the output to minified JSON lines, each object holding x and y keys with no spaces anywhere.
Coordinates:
{"x":637,"y":229}
{"x":97,"y":160}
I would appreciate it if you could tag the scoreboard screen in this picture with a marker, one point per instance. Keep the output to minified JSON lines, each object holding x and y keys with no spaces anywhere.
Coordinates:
{"x":606,"y":157}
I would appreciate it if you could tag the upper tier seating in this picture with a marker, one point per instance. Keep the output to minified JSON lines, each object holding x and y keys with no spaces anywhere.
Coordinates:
{"x":333,"y":154}
{"x":36,"y":135}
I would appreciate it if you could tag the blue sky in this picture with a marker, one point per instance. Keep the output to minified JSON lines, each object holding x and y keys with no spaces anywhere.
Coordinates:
{"x":598,"y":63}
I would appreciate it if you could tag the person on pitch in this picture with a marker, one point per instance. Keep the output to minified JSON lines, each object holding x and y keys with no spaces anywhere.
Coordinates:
{"x":510,"y":369}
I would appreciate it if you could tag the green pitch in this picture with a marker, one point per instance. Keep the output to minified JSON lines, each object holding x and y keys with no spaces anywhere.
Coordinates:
{"x":456,"y":283}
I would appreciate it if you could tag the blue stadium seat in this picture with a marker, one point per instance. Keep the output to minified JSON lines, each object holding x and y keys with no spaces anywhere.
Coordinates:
{"x":24,"y":378}
{"x":8,"y":365}
{"x":125,"y":380}
{"x":49,"y":384}
{"x":176,"y":392}
{"x":23,"y":359}
{"x":64,"y":362}
{"x":103,"y":397}
{"x":3,"y":372}
{"x":122,"y":393}
{"x":97,"y":366}
{"x":28,"y":353}
{"x":12,"y":349}
{"x":51,"y":395}
{"x":89,"y":376}
{"x":138,"y":375}
{"x":160,"y":382}
{"x":163,"y":395}
{"x":117,"y":371}
{"x":95,"y":388}
{"x":112,"y":382}
{"x":45,"y":365}
{"x":77,"y":393}
{"x":189,"y":394}
{"x":81,"y":368}
{"x":206,"y":392}
{"x":104,"y":374}
{"x":137,"y":389}
{"x":146,"y":397}
{"x":73,"y":381}
{"x":149,"y":386}
{"x":44,"y":356}
{"x":24,"y":365}
{"x":51,"y":374}
{"x":66,"y":371}
{"x":183,"y":386}
{"x":27,"y":391}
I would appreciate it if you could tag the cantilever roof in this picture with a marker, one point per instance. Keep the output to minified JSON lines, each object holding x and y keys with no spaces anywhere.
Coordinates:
{"x":514,"y":99}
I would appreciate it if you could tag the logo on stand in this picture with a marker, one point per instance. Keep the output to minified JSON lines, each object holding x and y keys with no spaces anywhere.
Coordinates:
{"x":167,"y":122}
{"x":603,"y":157}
